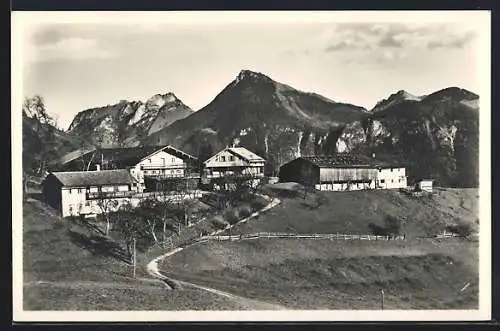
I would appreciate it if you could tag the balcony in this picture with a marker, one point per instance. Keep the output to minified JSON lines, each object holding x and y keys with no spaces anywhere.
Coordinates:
{"x":162,"y":167}
{"x":109,"y":195}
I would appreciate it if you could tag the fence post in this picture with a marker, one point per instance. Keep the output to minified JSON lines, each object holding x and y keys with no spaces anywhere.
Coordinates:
{"x":134,"y":259}
{"x":382,"y":297}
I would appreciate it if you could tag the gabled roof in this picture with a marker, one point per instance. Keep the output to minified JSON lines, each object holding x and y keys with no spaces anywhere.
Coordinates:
{"x":91,"y":178}
{"x":246,"y":154}
{"x":241,"y":153}
{"x":74,"y":155}
{"x":129,"y":156}
{"x":348,"y":160}
{"x":173,"y":151}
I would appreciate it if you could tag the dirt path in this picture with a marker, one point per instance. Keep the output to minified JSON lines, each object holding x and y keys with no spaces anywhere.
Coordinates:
{"x":246,"y":302}
{"x":153,"y":270}
{"x":94,"y":284}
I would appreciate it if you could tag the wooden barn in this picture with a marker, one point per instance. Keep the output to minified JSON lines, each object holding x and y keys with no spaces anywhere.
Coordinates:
{"x":343,"y":172}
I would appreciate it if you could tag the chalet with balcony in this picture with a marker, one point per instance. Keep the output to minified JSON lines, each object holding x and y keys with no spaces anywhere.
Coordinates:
{"x":234,"y":161}
{"x":84,"y":192}
{"x":345,"y":172}
{"x":149,"y":165}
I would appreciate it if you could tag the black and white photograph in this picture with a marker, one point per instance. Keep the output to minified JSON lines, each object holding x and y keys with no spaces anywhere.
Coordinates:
{"x":241,"y":166}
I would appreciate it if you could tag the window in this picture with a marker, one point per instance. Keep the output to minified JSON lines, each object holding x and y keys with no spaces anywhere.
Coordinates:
{"x":392,"y":180}
{"x":79,"y":190}
{"x":231,"y":158}
{"x":392,"y":169}
{"x":69,"y":191}
{"x":87,"y":204}
{"x":382,"y":181}
{"x":379,"y":170}
{"x":149,"y":160}
{"x":173,"y":160}
{"x":223,"y":158}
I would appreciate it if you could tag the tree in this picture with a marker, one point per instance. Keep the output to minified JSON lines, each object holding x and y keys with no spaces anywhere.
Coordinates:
{"x":130,"y":229}
{"x":205,"y":152}
{"x":153,"y":213}
{"x":39,"y":146}
{"x":106,"y":205}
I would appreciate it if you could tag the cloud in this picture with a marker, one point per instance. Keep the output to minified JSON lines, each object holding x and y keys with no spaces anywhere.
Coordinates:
{"x":391,"y":41}
{"x":348,"y":36}
{"x":71,"y":48}
{"x":452,"y":41}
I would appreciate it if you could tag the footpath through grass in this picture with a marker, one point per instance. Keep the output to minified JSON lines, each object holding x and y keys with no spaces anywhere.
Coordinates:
{"x":67,"y":266}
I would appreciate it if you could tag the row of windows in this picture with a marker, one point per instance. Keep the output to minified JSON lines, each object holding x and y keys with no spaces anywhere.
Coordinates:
{"x":82,"y":190}
{"x":151,"y":172}
{"x":400,"y":180}
{"x":163,"y":160}
{"x":222,"y":158}
{"x":392,"y":169}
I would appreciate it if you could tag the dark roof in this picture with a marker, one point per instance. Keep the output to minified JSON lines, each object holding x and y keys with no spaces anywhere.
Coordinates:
{"x":74,"y":155}
{"x":130,"y":156}
{"x":343,"y":160}
{"x":89,"y":178}
{"x":180,"y":154}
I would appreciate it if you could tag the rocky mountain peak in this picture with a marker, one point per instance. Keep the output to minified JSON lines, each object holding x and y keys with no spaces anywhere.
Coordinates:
{"x":245,"y":75}
{"x":395,"y":98}
{"x":454,"y":93}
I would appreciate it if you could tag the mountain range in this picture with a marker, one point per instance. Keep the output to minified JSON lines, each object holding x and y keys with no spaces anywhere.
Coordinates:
{"x":437,"y":135}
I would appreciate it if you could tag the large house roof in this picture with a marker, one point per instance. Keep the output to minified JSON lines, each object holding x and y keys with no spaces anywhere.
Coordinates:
{"x":176,"y":152}
{"x":246,"y":154}
{"x":74,"y":155}
{"x":348,"y":160}
{"x":91,"y":178}
{"x":128,"y":156}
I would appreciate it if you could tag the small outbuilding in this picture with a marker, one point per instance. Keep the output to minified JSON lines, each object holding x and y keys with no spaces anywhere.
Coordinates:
{"x":424,"y":185}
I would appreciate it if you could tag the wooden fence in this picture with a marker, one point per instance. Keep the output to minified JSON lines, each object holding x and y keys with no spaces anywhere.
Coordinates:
{"x":268,"y":235}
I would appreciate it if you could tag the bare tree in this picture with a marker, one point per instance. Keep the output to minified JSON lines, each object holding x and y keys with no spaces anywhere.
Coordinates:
{"x":130,"y":229}
{"x":106,"y":205}
{"x":44,"y":128}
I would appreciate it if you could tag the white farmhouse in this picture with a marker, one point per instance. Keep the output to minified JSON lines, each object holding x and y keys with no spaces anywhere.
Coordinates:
{"x":234,"y":161}
{"x":166,"y":162}
{"x":84,"y":192}
{"x":148,"y":164}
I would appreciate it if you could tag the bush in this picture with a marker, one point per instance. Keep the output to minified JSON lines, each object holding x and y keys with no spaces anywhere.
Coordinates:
{"x":257,"y":204}
{"x":218,"y":223}
{"x":461,"y":229}
{"x":230,"y":216}
{"x":392,"y":225}
{"x":245,"y":212}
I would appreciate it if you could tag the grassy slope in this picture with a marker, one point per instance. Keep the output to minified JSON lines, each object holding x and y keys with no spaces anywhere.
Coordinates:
{"x":416,"y":274}
{"x":323,"y":274}
{"x":351,"y":212}
{"x":86,"y":278}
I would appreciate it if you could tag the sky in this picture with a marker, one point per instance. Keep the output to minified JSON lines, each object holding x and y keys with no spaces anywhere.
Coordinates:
{"x":76,"y":65}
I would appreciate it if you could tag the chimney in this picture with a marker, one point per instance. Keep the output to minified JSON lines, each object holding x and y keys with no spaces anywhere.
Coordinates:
{"x":97,"y":167}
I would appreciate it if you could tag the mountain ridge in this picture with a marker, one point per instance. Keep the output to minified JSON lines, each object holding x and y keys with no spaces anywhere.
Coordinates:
{"x":280,"y":123}
{"x":126,"y":122}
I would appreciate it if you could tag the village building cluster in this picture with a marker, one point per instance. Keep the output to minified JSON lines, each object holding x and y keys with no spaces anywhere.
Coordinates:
{"x":85,"y":181}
